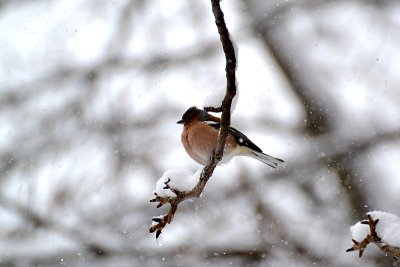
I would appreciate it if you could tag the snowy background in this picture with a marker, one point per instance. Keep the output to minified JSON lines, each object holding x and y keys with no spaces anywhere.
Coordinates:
{"x":89,"y":95}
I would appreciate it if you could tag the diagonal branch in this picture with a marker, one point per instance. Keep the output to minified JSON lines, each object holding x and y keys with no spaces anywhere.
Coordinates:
{"x":230,"y":56}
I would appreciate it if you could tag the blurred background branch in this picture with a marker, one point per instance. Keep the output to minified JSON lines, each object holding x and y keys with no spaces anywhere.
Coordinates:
{"x":90,"y":92}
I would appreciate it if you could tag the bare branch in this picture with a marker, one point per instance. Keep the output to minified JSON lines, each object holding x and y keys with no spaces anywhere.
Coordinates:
{"x":208,"y":170}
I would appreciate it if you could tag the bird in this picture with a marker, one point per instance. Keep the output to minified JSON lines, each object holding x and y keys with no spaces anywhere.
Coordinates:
{"x":199,"y":138}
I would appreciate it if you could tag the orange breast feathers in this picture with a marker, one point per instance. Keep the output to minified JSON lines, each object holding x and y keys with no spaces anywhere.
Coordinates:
{"x":199,"y":140}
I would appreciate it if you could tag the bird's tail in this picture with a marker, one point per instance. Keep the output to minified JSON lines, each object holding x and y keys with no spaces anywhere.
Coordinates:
{"x":267,"y":159}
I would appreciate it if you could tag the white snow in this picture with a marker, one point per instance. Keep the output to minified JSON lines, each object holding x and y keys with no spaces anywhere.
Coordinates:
{"x":180,"y":179}
{"x":236,"y":50}
{"x":359,"y":231}
{"x":388,"y":228}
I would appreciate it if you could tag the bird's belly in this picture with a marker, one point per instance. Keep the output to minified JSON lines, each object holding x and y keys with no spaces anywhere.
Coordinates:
{"x":200,"y":150}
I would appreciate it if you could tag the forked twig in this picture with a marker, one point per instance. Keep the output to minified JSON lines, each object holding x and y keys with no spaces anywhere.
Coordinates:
{"x":373,"y":238}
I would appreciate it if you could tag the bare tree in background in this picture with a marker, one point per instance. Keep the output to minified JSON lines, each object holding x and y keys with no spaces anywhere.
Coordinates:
{"x":89,"y":96}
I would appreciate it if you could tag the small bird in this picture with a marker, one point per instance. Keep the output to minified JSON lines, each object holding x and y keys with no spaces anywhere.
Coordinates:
{"x":199,"y":137}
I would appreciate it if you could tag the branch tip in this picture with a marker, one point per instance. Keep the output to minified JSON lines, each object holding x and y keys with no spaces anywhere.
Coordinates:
{"x":158,"y":233}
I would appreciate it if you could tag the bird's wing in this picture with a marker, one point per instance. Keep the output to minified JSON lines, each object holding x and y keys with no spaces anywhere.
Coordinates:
{"x":242,"y":139}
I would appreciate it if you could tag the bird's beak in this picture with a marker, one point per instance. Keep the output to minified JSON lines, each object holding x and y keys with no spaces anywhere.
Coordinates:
{"x":180,"y":122}
{"x":213,"y":118}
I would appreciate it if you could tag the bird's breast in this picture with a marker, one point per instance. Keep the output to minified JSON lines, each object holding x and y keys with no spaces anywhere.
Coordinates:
{"x":199,"y":141}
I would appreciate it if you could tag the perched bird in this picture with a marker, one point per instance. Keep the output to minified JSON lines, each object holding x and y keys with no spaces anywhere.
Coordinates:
{"x":199,"y":137}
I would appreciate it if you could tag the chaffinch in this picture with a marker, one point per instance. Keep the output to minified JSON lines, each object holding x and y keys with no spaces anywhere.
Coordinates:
{"x":199,"y":137}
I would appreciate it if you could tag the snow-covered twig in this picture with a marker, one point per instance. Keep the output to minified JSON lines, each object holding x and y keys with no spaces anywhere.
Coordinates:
{"x":381,"y":229}
{"x":161,"y":221}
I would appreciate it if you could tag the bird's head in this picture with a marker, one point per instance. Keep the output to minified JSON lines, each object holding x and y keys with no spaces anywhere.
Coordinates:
{"x":195,"y":114}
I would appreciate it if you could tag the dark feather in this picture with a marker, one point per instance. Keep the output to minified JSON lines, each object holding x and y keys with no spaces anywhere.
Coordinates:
{"x":242,"y":139}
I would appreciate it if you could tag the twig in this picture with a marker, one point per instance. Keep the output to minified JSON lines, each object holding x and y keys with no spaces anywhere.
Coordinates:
{"x":208,"y":170}
{"x":375,"y":239}
{"x":213,"y":109}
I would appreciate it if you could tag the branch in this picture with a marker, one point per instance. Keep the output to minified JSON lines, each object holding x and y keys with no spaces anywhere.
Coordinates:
{"x":318,"y":120}
{"x":229,"y":51}
{"x":375,"y":239}
{"x":42,"y":221}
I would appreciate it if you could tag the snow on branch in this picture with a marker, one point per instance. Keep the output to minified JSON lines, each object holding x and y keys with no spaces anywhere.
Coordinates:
{"x":172,"y":180}
{"x":381,"y":229}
